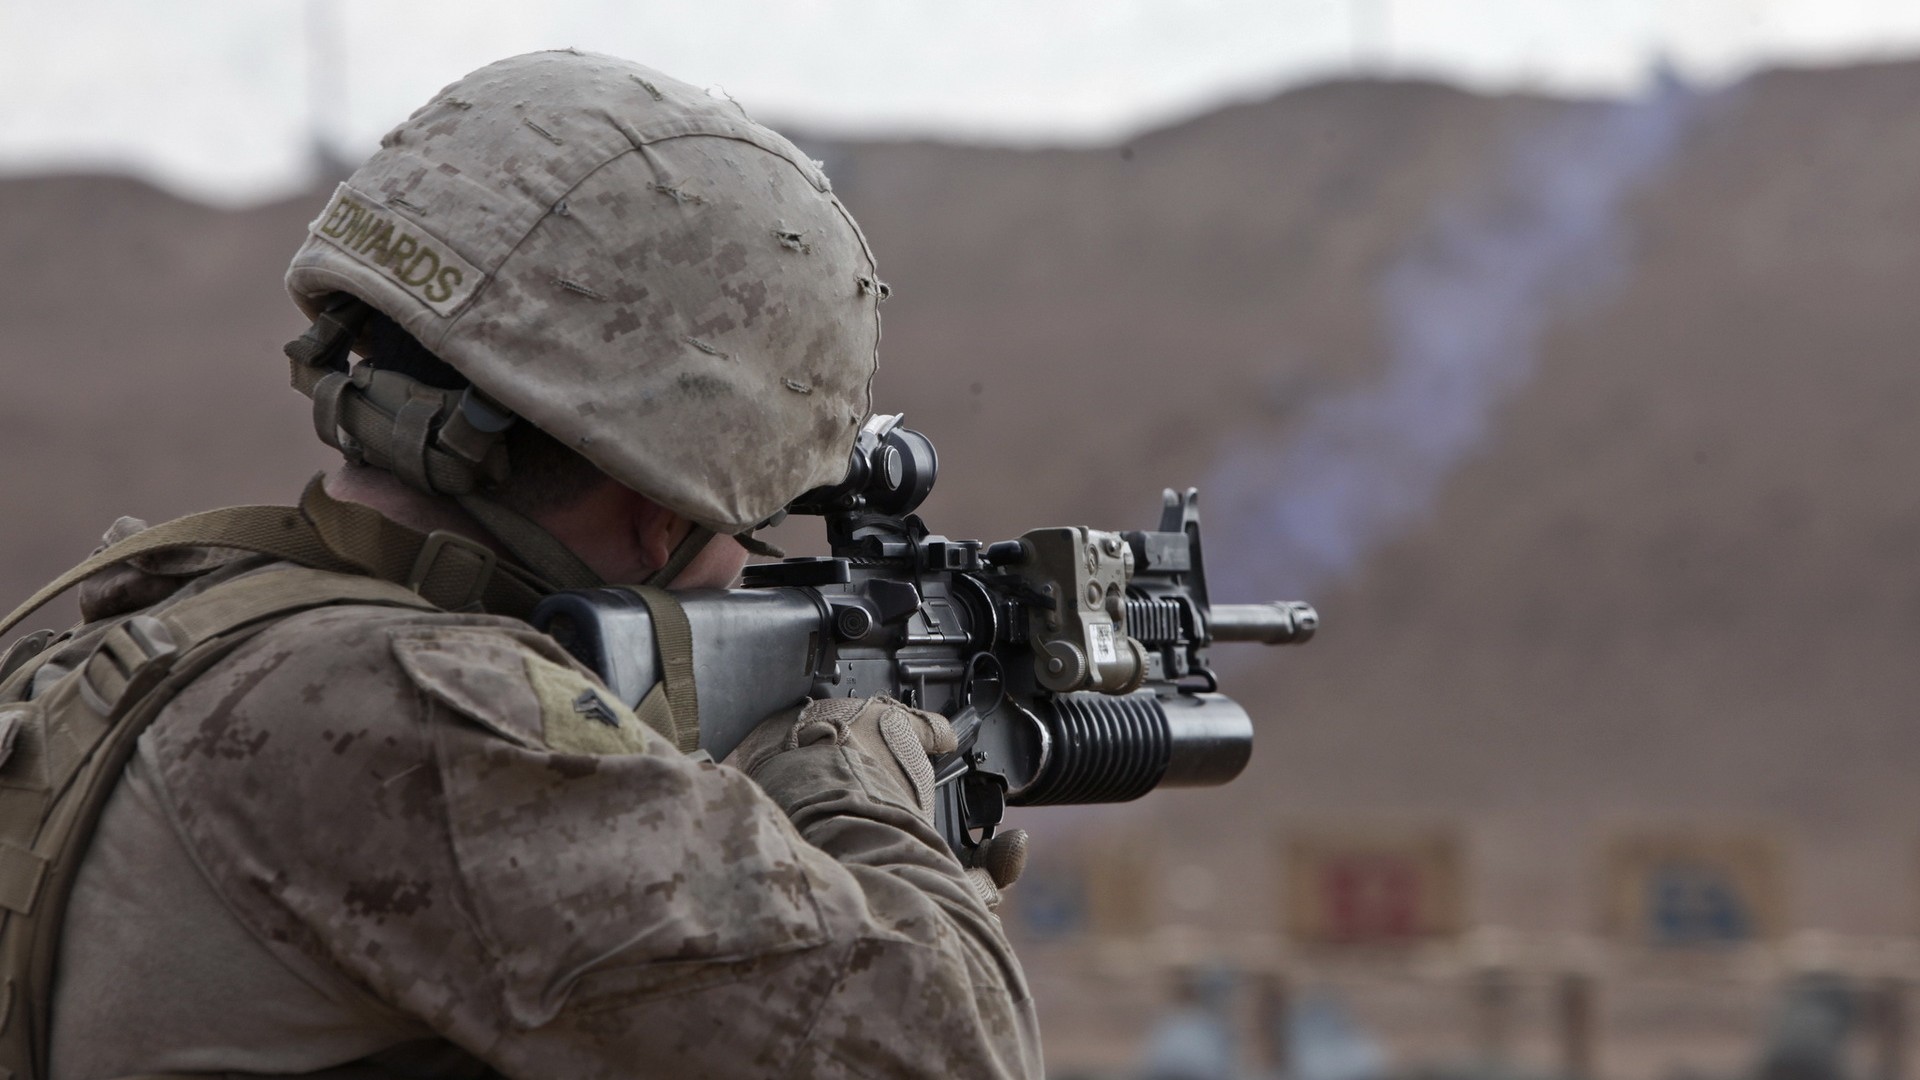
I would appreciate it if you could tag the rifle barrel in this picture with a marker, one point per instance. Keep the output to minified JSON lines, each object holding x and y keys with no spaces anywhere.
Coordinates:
{"x":1278,"y":622}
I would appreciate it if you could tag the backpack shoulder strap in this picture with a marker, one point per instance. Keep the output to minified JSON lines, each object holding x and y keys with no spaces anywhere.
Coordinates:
{"x":268,"y":530}
{"x":329,"y":534}
{"x":62,"y":753}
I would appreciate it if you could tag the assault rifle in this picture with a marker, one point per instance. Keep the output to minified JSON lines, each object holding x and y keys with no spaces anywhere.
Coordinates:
{"x":1071,"y":662}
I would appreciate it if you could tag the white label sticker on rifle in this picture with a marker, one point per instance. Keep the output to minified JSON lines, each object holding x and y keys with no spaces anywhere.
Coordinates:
{"x":1103,"y":650}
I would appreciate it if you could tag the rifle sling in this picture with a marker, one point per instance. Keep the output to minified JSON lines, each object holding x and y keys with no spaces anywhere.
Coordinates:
{"x":673,"y":636}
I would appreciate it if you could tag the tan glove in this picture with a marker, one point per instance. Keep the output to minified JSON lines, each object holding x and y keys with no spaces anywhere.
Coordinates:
{"x":900,"y":740}
{"x":900,"y":743}
{"x":997,"y":865}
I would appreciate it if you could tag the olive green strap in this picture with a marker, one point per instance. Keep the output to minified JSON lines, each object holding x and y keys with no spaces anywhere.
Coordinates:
{"x":535,"y":547}
{"x":329,"y":534}
{"x":86,"y":739}
{"x":687,"y":550}
{"x":757,"y":546}
{"x":673,"y":636}
{"x":453,"y":571}
{"x":267,"y":530}
{"x":655,"y":712}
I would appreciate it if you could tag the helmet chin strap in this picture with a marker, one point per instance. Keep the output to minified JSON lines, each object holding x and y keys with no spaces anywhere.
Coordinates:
{"x":544,"y":554}
{"x":537,"y":549}
{"x":687,"y":550}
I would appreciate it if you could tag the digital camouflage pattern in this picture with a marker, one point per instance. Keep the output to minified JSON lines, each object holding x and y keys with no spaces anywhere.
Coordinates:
{"x":432,"y":839}
{"x":683,"y":275}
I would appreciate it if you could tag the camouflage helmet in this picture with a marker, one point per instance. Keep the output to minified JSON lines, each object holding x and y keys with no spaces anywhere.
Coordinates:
{"x":632,"y":265}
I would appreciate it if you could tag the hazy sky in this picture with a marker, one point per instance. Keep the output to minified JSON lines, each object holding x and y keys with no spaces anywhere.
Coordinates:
{"x":213,"y":97}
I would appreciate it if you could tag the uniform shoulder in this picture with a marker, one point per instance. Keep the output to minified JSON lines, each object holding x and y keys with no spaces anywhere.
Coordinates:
{"x":333,"y":676}
{"x":487,"y":668}
{"x":368,"y":631}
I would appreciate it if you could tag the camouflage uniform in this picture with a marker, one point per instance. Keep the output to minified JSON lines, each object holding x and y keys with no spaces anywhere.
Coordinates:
{"x":383,"y":836}
{"x":375,"y":841}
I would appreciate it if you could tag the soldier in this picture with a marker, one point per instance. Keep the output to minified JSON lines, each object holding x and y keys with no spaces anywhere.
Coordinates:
{"x":303,"y":795}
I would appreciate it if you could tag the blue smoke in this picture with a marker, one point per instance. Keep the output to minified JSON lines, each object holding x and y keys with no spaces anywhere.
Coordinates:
{"x":1463,"y":312}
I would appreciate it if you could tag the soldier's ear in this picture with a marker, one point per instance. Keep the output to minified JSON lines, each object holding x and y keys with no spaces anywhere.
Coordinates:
{"x":656,"y":530}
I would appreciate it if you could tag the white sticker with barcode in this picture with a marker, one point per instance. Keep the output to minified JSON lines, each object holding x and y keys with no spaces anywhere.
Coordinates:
{"x":1103,"y":647}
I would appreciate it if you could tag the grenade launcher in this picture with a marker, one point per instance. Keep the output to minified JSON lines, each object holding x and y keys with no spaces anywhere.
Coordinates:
{"x":1071,"y":662}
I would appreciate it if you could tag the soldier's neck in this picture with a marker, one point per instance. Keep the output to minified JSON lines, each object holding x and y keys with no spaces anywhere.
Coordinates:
{"x":379,"y":489}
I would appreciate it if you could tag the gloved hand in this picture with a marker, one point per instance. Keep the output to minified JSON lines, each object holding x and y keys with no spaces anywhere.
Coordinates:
{"x":997,"y":865}
{"x":896,"y":745}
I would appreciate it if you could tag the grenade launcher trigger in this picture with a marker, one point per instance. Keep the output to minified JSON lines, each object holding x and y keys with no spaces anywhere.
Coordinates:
{"x":1071,"y":662}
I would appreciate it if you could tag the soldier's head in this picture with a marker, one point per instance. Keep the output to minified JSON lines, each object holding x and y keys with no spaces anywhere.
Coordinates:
{"x":571,"y":274}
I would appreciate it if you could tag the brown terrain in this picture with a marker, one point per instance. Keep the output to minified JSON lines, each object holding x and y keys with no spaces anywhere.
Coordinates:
{"x":1675,"y":579}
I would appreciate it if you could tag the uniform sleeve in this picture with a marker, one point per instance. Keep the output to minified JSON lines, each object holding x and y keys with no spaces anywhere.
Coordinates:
{"x":448,"y":811}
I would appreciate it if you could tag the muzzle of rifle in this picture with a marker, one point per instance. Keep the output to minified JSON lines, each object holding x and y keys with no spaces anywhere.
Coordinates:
{"x":1279,"y":622}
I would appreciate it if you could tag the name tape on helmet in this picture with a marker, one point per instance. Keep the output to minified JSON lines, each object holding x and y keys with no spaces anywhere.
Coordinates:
{"x":415,"y":259}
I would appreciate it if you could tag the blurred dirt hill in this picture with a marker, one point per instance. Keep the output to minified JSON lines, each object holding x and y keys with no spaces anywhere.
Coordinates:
{"x":1677,"y":579}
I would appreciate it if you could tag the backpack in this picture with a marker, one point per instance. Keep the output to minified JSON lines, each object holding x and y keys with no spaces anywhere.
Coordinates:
{"x":63,"y":749}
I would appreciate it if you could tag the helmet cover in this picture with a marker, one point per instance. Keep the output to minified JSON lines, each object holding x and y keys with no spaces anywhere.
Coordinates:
{"x":634,"y":266}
